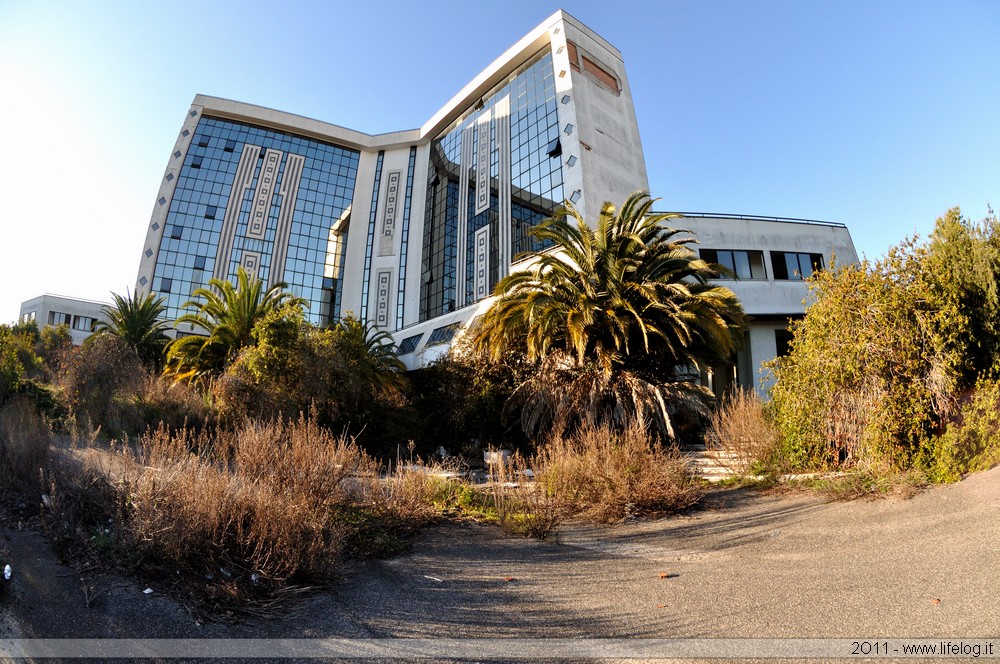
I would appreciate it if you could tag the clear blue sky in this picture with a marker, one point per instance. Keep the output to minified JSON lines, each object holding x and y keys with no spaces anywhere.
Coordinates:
{"x":881,"y":115}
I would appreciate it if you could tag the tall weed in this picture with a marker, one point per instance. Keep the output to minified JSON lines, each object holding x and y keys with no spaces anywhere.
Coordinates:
{"x":24,"y":446}
{"x":743,"y":437}
{"x":599,"y":473}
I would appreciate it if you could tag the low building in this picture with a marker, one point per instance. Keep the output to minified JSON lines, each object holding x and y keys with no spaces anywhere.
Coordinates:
{"x":80,"y":316}
{"x":769,"y":258}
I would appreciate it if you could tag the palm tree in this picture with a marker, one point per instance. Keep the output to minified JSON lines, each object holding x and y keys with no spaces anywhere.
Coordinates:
{"x":137,"y":321}
{"x":370,"y":350}
{"x":227,"y":315}
{"x":612,"y":315}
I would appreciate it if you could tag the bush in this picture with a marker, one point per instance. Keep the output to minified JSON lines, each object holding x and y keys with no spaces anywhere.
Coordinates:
{"x":236,"y":520}
{"x":971,"y":442}
{"x":885,"y":348}
{"x":250,"y":510}
{"x":868,"y":377}
{"x":295,"y":366}
{"x":743,"y":436}
{"x":157,"y":401}
{"x":96,"y":376}
{"x":466,"y":393}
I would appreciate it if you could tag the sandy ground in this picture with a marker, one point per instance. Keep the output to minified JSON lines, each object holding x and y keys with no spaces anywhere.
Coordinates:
{"x":747,"y":566}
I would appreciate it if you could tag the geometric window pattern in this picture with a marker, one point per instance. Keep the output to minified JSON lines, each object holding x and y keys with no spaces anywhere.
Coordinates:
{"x":534,"y":177}
{"x":372,"y":217}
{"x":385,"y":241}
{"x":405,"y":239}
{"x":209,"y":197}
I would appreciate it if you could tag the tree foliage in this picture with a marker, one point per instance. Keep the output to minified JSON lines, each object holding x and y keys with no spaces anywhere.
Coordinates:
{"x":227,"y":314}
{"x":30,"y":357}
{"x":611,"y":314}
{"x":349,"y":374}
{"x":138,"y":322}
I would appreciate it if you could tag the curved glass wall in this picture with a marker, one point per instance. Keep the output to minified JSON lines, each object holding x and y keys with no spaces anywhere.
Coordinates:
{"x":498,"y":168}
{"x":260,"y":198}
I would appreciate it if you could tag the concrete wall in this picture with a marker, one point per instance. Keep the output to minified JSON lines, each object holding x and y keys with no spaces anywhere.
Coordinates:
{"x":602,"y":152}
{"x":770,"y":302}
{"x":770,"y":296}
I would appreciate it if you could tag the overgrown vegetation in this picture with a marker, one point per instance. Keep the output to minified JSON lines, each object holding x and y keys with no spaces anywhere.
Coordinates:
{"x":743,"y":437}
{"x":207,"y":475}
{"x":893,"y":367}
{"x":235,"y":519}
{"x":615,"y":316}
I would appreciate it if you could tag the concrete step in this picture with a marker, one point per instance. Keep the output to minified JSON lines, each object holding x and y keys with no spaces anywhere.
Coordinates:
{"x":710,"y":465}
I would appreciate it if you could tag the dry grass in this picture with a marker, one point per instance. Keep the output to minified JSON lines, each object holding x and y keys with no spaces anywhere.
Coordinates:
{"x":24,"y":447}
{"x":527,"y":503}
{"x":599,"y":474}
{"x":236,"y":521}
{"x":742,"y":437}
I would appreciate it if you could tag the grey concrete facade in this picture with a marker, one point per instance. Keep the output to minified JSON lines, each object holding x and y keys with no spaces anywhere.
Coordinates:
{"x":80,"y":316}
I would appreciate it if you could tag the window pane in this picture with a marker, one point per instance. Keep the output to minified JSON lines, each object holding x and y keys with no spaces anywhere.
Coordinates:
{"x":726,"y":259}
{"x":805,"y":266}
{"x":757,"y":265}
{"x":742,"y":264}
{"x":792,"y":266}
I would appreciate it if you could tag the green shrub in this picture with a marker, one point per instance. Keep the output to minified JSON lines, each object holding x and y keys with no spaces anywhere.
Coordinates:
{"x":295,"y":367}
{"x":970,"y":442}
{"x":885,"y":347}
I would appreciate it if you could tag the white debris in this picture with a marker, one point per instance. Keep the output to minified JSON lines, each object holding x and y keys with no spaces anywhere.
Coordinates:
{"x":7,"y":571}
{"x":148,"y":591}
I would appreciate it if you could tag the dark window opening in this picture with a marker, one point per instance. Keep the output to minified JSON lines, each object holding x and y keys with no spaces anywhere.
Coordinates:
{"x":782,"y":342}
{"x":166,"y":285}
{"x":409,"y":344}
{"x":554,"y":149}
{"x":230,"y":145}
{"x":738,"y":263}
{"x":210,"y":212}
{"x":199,"y":262}
{"x":794,"y":266}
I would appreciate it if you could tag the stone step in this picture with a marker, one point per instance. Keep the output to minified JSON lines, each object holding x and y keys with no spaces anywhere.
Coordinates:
{"x":710,"y":465}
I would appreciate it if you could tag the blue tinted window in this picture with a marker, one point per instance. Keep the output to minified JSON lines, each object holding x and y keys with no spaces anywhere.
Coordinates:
{"x":205,"y":191}
{"x":535,"y":175}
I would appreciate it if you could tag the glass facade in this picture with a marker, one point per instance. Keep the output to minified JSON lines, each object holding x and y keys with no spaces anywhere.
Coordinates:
{"x":529,"y":148}
{"x":311,"y":188}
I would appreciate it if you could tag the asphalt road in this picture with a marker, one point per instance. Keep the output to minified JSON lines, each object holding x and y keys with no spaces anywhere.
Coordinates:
{"x":749,"y":566}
